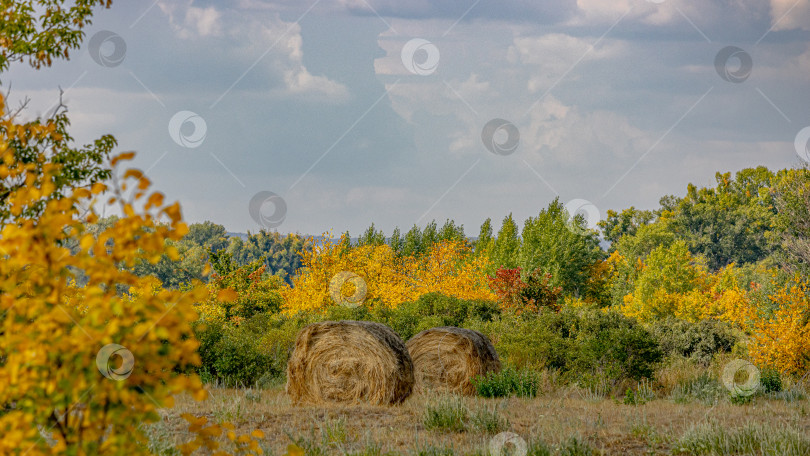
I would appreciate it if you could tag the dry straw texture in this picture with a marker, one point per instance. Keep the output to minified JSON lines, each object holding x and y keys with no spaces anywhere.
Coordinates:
{"x":447,"y":359}
{"x":349,"y":362}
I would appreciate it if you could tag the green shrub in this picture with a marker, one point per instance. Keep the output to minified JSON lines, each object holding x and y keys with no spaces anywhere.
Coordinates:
{"x":588,"y":346}
{"x":256,"y":350}
{"x":435,"y":309}
{"x":615,"y":343}
{"x":698,"y":341}
{"x":239,"y":357}
{"x":508,"y":382}
{"x":771,"y":380}
{"x":528,"y":341}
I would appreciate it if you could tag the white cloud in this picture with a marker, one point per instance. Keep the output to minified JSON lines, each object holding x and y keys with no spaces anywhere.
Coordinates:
{"x":790,"y":14}
{"x":262,"y":38}
{"x":553,"y":55}
{"x":561,"y":134}
{"x":190,"y":22}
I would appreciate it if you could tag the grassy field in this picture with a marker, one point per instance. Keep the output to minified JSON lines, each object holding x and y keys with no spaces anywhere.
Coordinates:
{"x":564,"y":420}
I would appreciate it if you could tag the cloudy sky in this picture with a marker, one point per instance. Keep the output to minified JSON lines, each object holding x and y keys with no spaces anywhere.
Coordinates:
{"x":332,"y":114}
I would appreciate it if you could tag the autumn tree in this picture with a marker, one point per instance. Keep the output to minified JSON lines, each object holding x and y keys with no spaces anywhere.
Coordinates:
{"x":334,"y":271}
{"x":250,"y":291}
{"x":83,"y":367}
{"x":39,"y":32}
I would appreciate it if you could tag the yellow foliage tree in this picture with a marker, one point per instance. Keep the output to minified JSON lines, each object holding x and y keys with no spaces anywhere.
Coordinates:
{"x":671,"y":282}
{"x":781,"y":339}
{"x":81,"y":369}
{"x":376,"y":275}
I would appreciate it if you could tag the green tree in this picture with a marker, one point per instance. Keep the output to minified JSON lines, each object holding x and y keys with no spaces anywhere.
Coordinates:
{"x":371,"y":237}
{"x":452,"y":232}
{"x":729,"y":223}
{"x":207,"y":235}
{"x":281,"y":254}
{"x":412,"y":244}
{"x":430,"y":235}
{"x":792,"y":200}
{"x":504,"y":251}
{"x":549,"y":244}
{"x":671,"y":269}
{"x":627,"y":222}
{"x":485,"y":240}
{"x":646,"y":239}
{"x":396,"y":242}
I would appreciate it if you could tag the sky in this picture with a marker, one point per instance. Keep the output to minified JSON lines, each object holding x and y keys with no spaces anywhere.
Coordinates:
{"x":313,"y":116}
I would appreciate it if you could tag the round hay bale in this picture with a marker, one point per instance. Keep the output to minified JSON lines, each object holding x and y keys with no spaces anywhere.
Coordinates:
{"x":349,"y":361}
{"x":447,"y":358}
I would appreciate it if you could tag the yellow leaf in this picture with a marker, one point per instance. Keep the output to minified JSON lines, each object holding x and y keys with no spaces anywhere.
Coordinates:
{"x":121,"y":157}
{"x":226,"y":295}
{"x":87,"y":241}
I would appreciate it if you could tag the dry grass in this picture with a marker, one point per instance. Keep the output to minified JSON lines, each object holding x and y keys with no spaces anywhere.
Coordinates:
{"x":349,"y":362}
{"x":559,"y":419}
{"x":447,"y":359}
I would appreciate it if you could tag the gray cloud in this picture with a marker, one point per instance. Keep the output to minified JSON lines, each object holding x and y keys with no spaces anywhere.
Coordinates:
{"x":324,"y":113}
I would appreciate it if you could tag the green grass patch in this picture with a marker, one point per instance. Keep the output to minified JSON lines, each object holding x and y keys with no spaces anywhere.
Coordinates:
{"x":508,"y":382}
